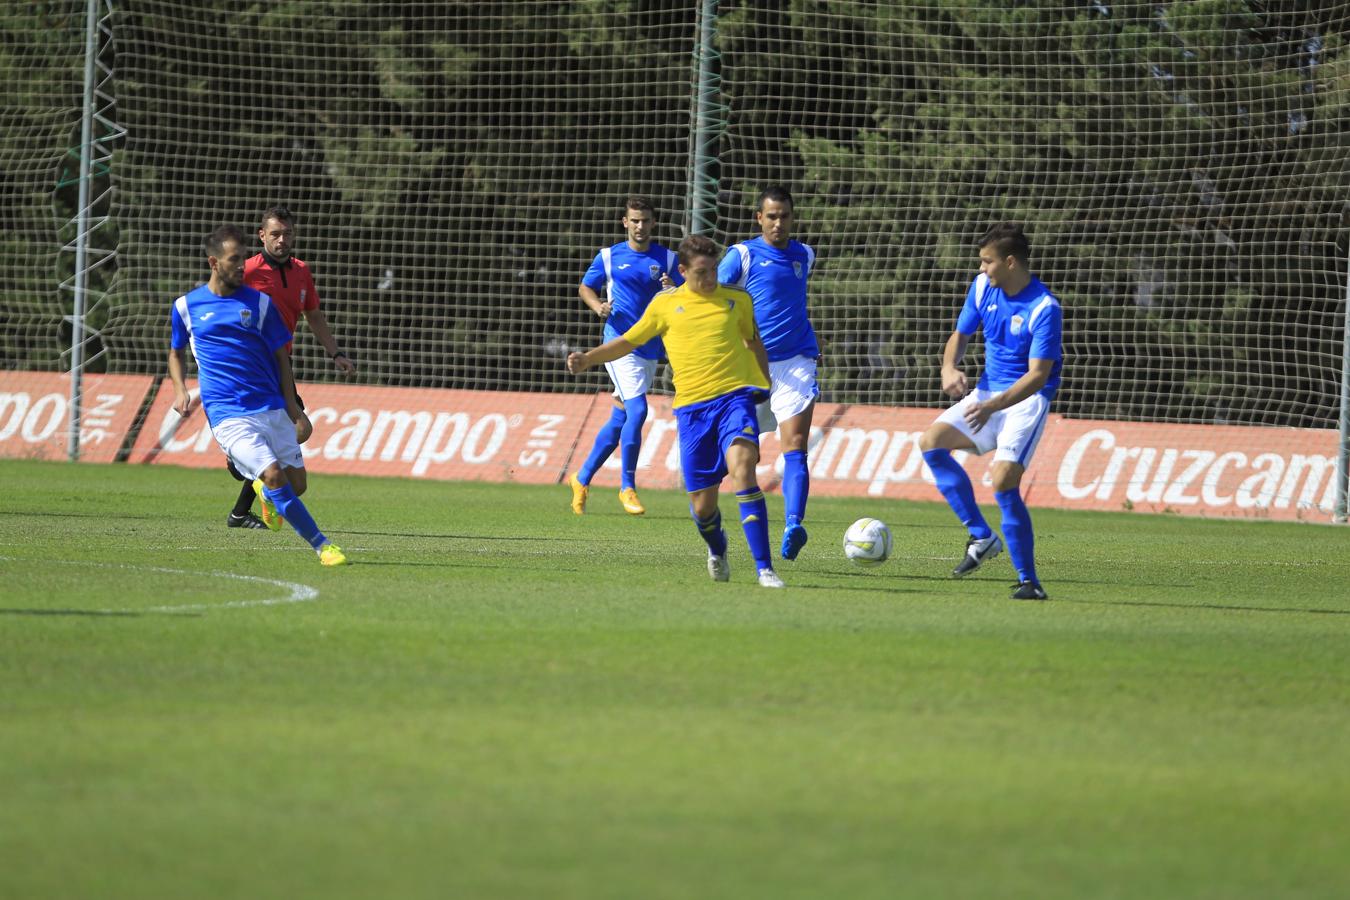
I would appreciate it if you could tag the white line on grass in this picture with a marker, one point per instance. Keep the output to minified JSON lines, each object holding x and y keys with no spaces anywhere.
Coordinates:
{"x":299,"y":593}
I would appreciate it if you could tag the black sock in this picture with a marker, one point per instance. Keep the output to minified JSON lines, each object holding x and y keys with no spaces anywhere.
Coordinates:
{"x":245,"y":501}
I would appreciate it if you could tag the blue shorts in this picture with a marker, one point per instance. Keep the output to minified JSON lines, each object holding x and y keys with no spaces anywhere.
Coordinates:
{"x":707,"y":430}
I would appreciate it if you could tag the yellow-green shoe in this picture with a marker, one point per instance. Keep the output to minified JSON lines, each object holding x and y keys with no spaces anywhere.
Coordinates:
{"x":332,"y":555}
{"x":579,"y":494}
{"x":271,"y":518}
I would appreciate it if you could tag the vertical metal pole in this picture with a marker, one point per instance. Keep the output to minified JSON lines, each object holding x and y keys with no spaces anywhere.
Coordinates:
{"x":82,"y":229}
{"x":1343,"y":461}
{"x":702,"y":173}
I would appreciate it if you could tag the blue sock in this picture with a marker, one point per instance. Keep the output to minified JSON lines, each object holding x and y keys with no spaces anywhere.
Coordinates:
{"x":755,"y":524}
{"x":955,"y":485}
{"x":796,"y":486}
{"x":711,"y":532}
{"x":630,"y":439}
{"x":293,"y":511}
{"x":1017,"y":534}
{"x":605,"y":442}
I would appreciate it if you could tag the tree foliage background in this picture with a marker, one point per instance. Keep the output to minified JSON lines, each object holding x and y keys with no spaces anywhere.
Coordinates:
{"x":1181,"y":167}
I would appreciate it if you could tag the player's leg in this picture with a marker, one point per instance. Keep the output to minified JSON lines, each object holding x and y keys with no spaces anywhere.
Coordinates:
{"x":950,"y":432}
{"x":241,"y":516}
{"x":707,"y":518}
{"x":605,"y":442}
{"x":633,"y":377}
{"x":1017,"y":530}
{"x":1019,"y":433}
{"x":264,"y":446}
{"x":630,"y":445}
{"x":739,"y":440}
{"x":742,"y":456}
{"x":702,"y":468}
{"x":793,"y":403}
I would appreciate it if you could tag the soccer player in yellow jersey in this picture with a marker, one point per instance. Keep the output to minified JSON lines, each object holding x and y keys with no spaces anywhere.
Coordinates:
{"x":720,"y":372}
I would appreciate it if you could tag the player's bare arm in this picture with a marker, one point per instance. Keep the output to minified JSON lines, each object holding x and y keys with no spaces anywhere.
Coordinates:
{"x":182,"y":400}
{"x":318,"y":324}
{"x":954,"y":382}
{"x":598,"y":306}
{"x":1038,"y":373}
{"x":606,"y":352}
{"x":756,"y":346}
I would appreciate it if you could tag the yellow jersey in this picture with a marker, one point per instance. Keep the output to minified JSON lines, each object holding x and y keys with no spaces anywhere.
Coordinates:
{"x":705,"y":341}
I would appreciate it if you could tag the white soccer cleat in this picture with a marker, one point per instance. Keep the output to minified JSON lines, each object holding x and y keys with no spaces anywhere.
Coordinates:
{"x":718,"y":567}
{"x":769,"y":578}
{"x":977,"y":552}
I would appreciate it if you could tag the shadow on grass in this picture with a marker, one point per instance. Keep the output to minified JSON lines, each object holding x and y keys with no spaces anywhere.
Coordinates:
{"x":536,"y":539}
{"x":1223,"y":607}
{"x":96,"y":613}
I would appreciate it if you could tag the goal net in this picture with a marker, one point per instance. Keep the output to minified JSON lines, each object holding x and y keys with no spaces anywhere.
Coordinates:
{"x":1180,"y":166}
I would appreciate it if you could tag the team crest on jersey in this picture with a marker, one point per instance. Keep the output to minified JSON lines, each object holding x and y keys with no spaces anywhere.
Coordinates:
{"x":1016,"y":323}
{"x":797,"y":269}
{"x":656,"y":271}
{"x":246,"y":318}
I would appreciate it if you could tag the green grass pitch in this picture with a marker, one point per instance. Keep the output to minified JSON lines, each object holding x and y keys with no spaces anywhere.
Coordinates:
{"x":502,"y":700}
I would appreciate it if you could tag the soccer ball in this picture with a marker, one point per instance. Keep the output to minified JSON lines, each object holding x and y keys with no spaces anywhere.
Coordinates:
{"x":868,"y":542}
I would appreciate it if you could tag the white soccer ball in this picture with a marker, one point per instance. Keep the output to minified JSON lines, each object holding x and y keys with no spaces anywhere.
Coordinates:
{"x":868,"y":542}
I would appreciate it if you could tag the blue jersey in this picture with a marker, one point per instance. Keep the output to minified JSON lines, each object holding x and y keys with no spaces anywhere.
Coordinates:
{"x":776,"y":282}
{"x":631,"y":278}
{"x":234,"y":339}
{"x":1028,"y":325}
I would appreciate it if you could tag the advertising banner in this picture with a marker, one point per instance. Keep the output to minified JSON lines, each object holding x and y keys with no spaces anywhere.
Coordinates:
{"x":859,"y":451}
{"x":35,"y":414}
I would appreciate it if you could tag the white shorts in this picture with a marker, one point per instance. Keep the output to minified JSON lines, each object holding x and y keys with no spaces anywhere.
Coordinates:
{"x":1015,"y":431}
{"x":794,"y":386}
{"x":633,"y":376}
{"x":256,"y":441}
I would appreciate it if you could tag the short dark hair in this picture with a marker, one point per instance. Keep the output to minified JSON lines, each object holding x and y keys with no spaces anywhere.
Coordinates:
{"x":777,"y":193}
{"x":215,"y":241}
{"x":641,"y":204}
{"x":1008,"y":240}
{"x":696,"y":245}
{"x":280,"y":213}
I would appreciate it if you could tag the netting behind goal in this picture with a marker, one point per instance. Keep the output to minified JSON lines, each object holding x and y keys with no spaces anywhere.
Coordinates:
{"x":1181,"y":168}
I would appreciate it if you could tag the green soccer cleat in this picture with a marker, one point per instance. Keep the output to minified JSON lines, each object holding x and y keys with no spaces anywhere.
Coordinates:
{"x":332,"y":555}
{"x":271,"y":518}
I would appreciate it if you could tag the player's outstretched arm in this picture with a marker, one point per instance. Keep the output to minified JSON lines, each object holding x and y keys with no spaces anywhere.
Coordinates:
{"x":606,"y":352}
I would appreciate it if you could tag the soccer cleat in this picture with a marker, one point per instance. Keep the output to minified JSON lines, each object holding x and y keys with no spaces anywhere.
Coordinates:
{"x":271,"y":518}
{"x":631,"y":504}
{"x":794,"y":539}
{"x":718,"y":567}
{"x":332,"y":555}
{"x":1029,"y":590}
{"x":977,"y":551}
{"x":579,"y":494}
{"x":247,"y":520}
{"x":769,"y":578}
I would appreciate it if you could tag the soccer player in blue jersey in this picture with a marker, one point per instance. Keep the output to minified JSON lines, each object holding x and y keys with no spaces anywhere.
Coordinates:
{"x":630,"y":273}
{"x":720,"y":372}
{"x":248,"y":391}
{"x":773,"y":268}
{"x":1023,"y":348}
